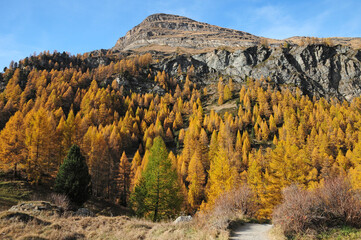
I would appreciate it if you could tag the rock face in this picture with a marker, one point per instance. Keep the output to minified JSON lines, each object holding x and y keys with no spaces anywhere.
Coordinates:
{"x":316,"y":69}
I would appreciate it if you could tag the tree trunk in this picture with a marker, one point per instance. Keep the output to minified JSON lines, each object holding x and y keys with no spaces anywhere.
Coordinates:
{"x":15,"y":170}
{"x":157,"y":201}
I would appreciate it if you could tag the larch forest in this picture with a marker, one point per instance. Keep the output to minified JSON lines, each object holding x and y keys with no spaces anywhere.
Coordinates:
{"x":174,"y":143}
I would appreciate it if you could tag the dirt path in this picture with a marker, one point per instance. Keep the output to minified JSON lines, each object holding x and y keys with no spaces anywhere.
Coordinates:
{"x":251,"y":231}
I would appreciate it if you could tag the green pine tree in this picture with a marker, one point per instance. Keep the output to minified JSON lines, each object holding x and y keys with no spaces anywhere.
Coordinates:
{"x":73,"y":178}
{"x":157,"y":195}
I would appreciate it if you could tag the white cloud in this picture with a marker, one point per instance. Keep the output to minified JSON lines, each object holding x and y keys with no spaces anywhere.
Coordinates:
{"x":279,"y":24}
{"x":277,"y":21}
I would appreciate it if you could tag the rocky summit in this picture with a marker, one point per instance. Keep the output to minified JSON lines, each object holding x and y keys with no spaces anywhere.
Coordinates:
{"x":177,"y":31}
{"x":322,"y":67}
{"x":166,"y":30}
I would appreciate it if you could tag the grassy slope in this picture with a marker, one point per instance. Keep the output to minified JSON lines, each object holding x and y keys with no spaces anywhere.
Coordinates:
{"x":14,"y":191}
{"x":101,"y":227}
{"x":11,"y":192}
{"x":338,"y":233}
{"x":341,"y":233}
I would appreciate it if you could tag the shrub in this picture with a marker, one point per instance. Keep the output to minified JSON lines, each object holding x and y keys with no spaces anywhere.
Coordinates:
{"x":235,"y":204}
{"x":297,"y":211}
{"x":60,"y":200}
{"x":340,"y":203}
{"x":333,"y":204}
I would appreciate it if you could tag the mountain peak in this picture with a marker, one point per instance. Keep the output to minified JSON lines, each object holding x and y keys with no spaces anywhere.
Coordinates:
{"x":159,"y":17}
{"x":177,"y":31}
{"x":168,"y":31}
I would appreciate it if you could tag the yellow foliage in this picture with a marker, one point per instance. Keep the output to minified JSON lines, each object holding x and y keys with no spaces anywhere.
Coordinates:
{"x":222,"y":176}
{"x":196,"y":178}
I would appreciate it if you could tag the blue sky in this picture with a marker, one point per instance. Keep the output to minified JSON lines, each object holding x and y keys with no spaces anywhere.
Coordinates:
{"x":78,"y":26}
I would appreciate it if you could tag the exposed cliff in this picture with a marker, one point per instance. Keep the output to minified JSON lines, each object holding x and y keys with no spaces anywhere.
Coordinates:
{"x":317,"y":69}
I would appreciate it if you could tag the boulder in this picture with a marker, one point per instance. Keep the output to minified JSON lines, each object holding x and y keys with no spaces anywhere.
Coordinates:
{"x":182,"y":219}
{"x":84,"y":212}
{"x":37,"y":207}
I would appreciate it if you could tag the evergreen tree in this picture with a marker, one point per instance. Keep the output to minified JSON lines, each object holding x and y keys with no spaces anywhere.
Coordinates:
{"x":73,"y":178}
{"x":157,"y":194}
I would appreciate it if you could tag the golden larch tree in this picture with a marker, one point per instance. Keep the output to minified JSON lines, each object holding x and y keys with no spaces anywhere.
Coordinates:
{"x":196,"y":178}
{"x":222,"y":176}
{"x":124,"y":179}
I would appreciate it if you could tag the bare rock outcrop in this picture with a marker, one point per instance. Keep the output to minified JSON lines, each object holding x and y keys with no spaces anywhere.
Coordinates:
{"x":36,"y":208}
{"x":316,"y":69}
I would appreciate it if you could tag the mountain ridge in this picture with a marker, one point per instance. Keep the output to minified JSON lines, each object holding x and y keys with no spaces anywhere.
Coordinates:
{"x":178,"y":31}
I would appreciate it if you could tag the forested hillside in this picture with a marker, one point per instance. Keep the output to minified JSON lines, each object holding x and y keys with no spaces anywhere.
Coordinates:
{"x":273,"y":136}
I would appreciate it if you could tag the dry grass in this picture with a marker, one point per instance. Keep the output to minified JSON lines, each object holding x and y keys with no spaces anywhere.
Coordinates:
{"x":101,"y":228}
{"x":276,"y":233}
{"x":228,"y":106}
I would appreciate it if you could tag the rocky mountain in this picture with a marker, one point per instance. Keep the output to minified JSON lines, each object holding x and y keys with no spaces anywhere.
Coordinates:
{"x":174,"y":31}
{"x":321,"y":67}
{"x":178,"y":31}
